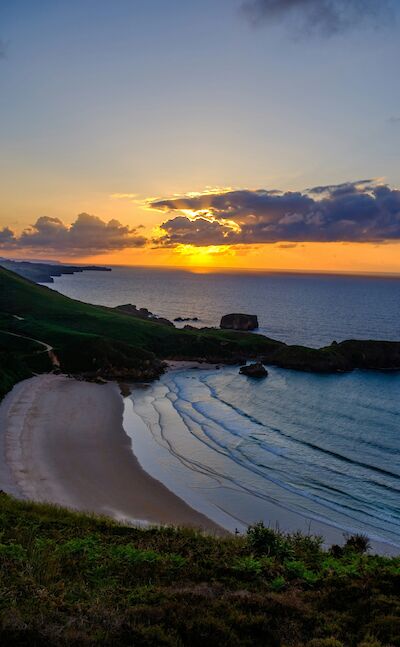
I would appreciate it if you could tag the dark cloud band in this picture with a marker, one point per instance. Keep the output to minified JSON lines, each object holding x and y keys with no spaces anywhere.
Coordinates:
{"x":324,"y":16}
{"x":352,"y":212}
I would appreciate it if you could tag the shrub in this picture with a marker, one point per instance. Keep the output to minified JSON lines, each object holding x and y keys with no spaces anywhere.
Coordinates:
{"x":358,"y":543}
{"x":298,"y":570}
{"x":132,"y":555}
{"x":14,"y":552}
{"x":248,"y":566}
{"x":265,"y":541}
{"x":278,"y":583}
{"x":308,"y":547}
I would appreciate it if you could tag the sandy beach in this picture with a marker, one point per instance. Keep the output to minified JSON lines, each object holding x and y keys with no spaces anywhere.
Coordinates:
{"x":62,"y":441}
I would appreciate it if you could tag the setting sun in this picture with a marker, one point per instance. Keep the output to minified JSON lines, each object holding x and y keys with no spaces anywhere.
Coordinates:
{"x":198,"y":256}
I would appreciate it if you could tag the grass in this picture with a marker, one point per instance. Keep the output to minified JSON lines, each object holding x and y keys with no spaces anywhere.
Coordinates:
{"x":74,"y":579}
{"x":50,"y":316}
{"x":19,"y":359}
{"x":89,"y":338}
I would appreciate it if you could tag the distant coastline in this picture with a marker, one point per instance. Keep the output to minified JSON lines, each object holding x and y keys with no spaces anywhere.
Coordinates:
{"x":46,"y":272}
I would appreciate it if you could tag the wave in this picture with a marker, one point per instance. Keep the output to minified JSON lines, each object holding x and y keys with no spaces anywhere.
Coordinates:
{"x":244,"y":453}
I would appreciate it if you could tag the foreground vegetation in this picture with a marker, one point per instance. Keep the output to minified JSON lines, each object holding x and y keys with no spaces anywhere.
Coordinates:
{"x":71,"y":579}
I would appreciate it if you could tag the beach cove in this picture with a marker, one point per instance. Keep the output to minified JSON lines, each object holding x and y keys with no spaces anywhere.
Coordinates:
{"x":62,"y":441}
{"x":176,"y":452}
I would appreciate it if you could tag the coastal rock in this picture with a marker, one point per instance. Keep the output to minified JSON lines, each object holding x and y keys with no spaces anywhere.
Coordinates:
{"x":180,"y":319}
{"x":125,"y":389}
{"x":142,"y":313}
{"x":97,"y":379}
{"x":254,"y":370}
{"x":239,"y":321}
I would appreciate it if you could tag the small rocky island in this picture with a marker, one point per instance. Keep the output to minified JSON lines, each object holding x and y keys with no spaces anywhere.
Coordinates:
{"x":239,"y":321}
{"x":181,"y":319}
{"x":257,"y":369}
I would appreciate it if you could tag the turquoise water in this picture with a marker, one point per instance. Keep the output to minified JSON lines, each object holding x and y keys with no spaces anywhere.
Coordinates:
{"x":295,"y":448}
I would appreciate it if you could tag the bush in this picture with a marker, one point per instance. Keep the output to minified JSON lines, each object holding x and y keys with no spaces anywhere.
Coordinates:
{"x":278,"y":583}
{"x":265,"y":541}
{"x":358,"y":543}
{"x":298,"y":570}
{"x":14,"y":552}
{"x":248,"y":566}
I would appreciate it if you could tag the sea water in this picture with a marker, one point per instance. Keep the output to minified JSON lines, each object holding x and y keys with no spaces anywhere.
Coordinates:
{"x":318,"y":452}
{"x":295,"y":308}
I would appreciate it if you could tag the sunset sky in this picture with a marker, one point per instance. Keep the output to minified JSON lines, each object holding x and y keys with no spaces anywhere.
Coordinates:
{"x":217,"y":133}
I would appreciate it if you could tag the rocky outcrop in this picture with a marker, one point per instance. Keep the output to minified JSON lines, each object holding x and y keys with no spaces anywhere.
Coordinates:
{"x":254,"y":370}
{"x":239,"y":321}
{"x":142,"y":313}
{"x":338,"y":357}
{"x":181,"y":319}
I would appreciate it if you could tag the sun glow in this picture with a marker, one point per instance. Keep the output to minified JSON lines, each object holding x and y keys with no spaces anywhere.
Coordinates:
{"x":199,"y":256}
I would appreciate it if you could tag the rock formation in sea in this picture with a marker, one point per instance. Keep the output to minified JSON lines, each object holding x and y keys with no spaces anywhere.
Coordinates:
{"x":180,"y":319}
{"x":254,"y":370}
{"x":239,"y":321}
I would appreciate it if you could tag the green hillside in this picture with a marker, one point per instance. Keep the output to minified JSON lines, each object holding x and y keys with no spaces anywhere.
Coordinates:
{"x":71,"y":579}
{"x":89,"y":338}
{"x":94,"y":340}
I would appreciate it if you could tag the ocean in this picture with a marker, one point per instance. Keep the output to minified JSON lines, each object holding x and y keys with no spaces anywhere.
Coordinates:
{"x":299,"y":450}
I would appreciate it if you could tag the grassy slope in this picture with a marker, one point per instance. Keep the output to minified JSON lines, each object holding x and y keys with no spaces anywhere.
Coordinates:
{"x":51,"y":316}
{"x":19,"y":358}
{"x":69,"y":579}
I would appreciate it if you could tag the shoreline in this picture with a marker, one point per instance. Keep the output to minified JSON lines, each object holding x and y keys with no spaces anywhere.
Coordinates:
{"x":144,"y":413}
{"x":50,"y":451}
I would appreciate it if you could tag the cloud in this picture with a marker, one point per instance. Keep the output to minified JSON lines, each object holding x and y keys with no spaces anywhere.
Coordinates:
{"x":363,"y":211}
{"x":200,"y":232}
{"x":394,"y":120}
{"x":86,"y":236}
{"x":6,"y":237}
{"x":326,"y":17}
{"x":123,"y":196}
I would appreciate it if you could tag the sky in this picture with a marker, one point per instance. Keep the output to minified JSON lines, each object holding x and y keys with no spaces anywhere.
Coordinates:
{"x":258,"y":134}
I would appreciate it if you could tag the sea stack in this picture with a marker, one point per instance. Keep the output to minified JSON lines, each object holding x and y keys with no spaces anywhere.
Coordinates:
{"x":239,"y":321}
{"x":254,"y":370}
